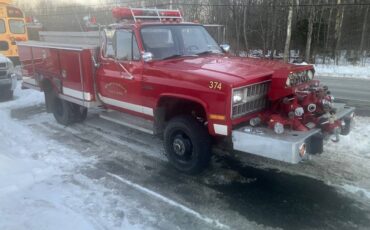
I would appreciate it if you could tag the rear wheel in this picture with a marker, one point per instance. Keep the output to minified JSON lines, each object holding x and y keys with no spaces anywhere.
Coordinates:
{"x":187,"y":144}
{"x":6,"y":94}
{"x":62,"y":111}
{"x":66,"y":112}
{"x":10,"y":94}
{"x":79,"y":112}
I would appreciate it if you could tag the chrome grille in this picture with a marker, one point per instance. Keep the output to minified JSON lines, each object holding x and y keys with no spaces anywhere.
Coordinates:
{"x":3,"y":74}
{"x":255,"y":99}
{"x":3,"y":65}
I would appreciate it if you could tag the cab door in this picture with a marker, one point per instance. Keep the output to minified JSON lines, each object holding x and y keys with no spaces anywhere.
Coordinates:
{"x":120,"y":74}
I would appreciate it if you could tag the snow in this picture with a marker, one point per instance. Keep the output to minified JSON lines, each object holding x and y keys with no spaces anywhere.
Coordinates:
{"x":348,"y":71}
{"x":356,"y":190}
{"x":29,"y":164}
{"x":40,"y":184}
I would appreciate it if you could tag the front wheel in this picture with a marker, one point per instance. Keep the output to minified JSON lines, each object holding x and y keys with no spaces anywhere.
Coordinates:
{"x":187,"y":144}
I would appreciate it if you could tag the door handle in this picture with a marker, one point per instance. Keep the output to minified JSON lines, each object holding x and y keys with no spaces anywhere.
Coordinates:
{"x":126,"y":75}
{"x":129,"y":77}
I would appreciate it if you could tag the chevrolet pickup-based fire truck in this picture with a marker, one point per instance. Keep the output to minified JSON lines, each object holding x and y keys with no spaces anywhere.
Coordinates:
{"x":155,"y":73}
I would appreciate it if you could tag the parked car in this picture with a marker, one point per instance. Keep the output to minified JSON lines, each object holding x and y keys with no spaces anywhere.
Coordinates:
{"x":8,"y":80}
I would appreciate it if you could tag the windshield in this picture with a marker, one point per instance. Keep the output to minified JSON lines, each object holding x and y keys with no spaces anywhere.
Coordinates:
{"x":16,"y":26}
{"x":178,"y":40}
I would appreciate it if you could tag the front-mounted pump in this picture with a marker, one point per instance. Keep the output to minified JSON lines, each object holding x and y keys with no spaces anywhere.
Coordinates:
{"x":299,"y":115}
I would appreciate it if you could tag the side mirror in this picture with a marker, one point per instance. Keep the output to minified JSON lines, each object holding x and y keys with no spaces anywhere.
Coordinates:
{"x":147,"y":56}
{"x":225,"y":47}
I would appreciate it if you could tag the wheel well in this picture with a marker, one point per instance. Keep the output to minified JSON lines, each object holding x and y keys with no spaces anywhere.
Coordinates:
{"x":48,"y":89}
{"x":170,"y":107}
{"x":46,"y":85}
{"x":173,"y":107}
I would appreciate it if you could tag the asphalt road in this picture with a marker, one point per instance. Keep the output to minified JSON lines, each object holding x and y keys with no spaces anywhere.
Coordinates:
{"x":354,"y":92}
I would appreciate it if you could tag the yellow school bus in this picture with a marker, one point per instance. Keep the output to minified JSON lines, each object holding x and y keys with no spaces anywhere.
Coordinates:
{"x":12,"y":30}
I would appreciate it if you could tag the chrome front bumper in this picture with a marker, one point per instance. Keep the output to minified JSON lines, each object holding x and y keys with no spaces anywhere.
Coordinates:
{"x":263,"y":141}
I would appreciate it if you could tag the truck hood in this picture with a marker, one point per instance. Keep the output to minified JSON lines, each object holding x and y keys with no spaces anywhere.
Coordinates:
{"x":4,"y":58}
{"x":231,"y":70}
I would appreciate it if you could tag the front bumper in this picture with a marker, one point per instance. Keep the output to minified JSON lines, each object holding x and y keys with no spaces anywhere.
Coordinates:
{"x":10,"y":82}
{"x":287,"y":147}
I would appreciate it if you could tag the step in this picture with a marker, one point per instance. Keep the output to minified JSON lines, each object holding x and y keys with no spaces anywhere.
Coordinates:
{"x":128,"y":120}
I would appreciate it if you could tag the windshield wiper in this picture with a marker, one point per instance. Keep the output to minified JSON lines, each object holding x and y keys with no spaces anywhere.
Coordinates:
{"x":209,"y":52}
{"x":172,"y":56}
{"x":179,"y":55}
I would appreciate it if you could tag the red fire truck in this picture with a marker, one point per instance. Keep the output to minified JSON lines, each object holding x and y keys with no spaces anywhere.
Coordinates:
{"x":155,"y":73}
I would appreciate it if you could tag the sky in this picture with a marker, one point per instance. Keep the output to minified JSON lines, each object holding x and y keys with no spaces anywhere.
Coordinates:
{"x":35,"y":2}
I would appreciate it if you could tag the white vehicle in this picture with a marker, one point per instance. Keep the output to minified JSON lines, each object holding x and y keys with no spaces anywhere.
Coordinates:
{"x":8,"y":79}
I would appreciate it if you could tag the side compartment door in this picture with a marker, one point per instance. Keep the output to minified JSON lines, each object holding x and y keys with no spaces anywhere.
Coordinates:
{"x":120,"y":75}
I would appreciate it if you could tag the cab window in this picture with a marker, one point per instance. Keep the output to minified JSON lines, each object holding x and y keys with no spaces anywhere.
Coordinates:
{"x":126,"y":46}
{"x":108,"y":50}
{"x":2,"y":26}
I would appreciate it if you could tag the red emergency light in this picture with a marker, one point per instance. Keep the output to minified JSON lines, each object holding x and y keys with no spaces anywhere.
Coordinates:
{"x":139,"y":14}
{"x":93,"y":20}
{"x":125,"y":13}
{"x":170,"y":13}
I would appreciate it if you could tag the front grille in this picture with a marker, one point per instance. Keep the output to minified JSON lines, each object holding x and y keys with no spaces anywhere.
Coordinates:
{"x":3,"y":65}
{"x":3,"y":74}
{"x":255,"y":99}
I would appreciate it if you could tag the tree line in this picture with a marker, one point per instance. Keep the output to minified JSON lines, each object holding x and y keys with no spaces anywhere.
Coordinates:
{"x":318,"y":30}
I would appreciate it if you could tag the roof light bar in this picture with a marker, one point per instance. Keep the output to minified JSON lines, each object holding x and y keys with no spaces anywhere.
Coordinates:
{"x":137,"y":14}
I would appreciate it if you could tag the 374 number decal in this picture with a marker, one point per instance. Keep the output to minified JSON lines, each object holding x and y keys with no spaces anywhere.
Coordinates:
{"x":215,"y":85}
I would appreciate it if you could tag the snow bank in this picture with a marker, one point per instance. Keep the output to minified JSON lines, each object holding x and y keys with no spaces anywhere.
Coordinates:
{"x":28,"y":162}
{"x":43,"y":183}
{"x":357,"y":143}
{"x":348,"y":71}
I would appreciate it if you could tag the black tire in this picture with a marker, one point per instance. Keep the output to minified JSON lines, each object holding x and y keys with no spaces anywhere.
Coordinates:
{"x":62,"y":110}
{"x":346,"y":129}
{"x":6,"y":94}
{"x":79,"y":113}
{"x":187,"y":144}
{"x":9,"y":94}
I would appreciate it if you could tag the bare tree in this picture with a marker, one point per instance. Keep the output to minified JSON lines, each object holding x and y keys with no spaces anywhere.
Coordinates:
{"x":245,"y":10}
{"x":338,"y":29}
{"x":309,"y":33}
{"x":273,"y":29}
{"x":288,"y":32}
{"x":364,"y":30}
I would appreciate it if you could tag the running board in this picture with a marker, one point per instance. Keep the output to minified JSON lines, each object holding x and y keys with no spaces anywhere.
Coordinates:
{"x":128,"y":120}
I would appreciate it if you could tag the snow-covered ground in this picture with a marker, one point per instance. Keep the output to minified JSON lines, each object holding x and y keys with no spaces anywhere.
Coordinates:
{"x":40,"y":184}
{"x":349,"y":71}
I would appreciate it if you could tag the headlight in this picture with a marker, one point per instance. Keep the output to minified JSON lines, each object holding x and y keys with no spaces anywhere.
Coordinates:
{"x":10,"y":67}
{"x":310,"y":74}
{"x":288,"y":81}
{"x":238,"y":96}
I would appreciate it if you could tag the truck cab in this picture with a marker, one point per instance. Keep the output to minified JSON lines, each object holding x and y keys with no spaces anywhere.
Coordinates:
{"x":153,"y":72}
